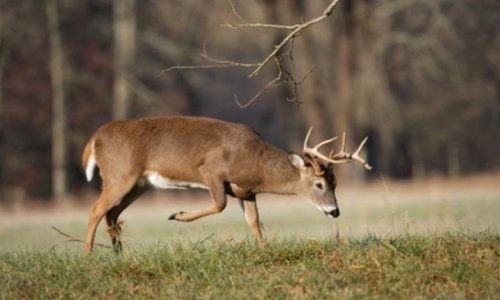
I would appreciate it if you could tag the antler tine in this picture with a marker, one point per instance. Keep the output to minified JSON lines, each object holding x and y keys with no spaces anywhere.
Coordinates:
{"x":314,"y":152}
{"x":342,"y":156}
{"x":342,"y":146}
{"x":358,"y":158}
{"x":345,"y":157}
{"x":304,"y":147}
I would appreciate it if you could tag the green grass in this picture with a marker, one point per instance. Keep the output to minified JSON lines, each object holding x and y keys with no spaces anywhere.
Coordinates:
{"x":445,"y":265}
{"x":430,"y":240}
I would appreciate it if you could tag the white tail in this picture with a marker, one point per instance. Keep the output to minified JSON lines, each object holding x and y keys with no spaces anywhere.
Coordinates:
{"x":181,"y":152}
{"x":90,"y":163}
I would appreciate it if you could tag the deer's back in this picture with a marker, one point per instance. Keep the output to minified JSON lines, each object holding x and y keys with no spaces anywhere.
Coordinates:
{"x":176,"y":146}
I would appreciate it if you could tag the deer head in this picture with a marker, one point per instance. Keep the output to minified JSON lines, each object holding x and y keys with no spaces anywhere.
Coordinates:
{"x":316,"y":171}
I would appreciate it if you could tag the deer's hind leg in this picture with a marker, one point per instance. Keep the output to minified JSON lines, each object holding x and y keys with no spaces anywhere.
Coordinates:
{"x":110,"y":196}
{"x":114,"y":227}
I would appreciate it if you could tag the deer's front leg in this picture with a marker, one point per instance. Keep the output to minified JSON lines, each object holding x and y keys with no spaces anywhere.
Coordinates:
{"x":216,"y":188}
{"x":249,"y":206}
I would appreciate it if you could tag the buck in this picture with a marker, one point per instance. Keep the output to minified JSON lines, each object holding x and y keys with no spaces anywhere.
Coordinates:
{"x":225,"y":158}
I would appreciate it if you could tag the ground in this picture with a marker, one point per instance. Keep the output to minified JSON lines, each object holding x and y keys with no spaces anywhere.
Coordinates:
{"x":381,"y":208}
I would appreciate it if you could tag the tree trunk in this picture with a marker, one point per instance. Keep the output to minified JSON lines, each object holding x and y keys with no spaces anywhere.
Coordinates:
{"x":293,"y":113}
{"x":124,"y":53}
{"x":453,"y":159}
{"x":341,"y":107}
{"x":59,"y":175}
{"x":2,"y":64}
{"x":315,"y":101}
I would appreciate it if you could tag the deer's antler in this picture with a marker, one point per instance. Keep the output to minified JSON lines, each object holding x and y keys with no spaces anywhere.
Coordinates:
{"x":338,"y":158}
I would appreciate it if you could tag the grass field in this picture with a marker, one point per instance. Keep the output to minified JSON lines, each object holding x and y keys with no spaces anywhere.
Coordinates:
{"x":432,"y":239}
{"x":442,"y":266}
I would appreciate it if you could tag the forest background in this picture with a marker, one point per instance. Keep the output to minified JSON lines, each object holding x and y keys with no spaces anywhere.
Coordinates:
{"x":420,"y":78}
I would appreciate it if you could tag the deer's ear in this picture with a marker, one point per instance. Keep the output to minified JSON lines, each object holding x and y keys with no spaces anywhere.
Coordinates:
{"x":297,"y":161}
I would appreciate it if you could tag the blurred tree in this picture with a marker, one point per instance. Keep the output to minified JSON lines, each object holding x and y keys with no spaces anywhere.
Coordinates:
{"x":421,"y":77}
{"x":313,"y":95}
{"x":364,"y":104}
{"x":59,"y":173}
{"x":430,"y":67}
{"x":124,"y":56}
{"x":26,"y":141}
{"x":2,"y":64}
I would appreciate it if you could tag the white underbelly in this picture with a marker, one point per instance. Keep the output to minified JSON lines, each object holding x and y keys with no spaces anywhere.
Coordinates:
{"x":156,"y":180}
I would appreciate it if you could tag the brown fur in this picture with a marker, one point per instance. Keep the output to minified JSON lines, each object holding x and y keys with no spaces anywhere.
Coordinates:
{"x":86,"y":154}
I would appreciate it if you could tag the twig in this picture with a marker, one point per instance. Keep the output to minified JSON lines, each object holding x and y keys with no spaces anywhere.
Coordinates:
{"x":296,"y":85}
{"x":199,"y":243}
{"x":227,"y":63}
{"x":72,"y":239}
{"x":290,"y":75}
{"x":388,"y":198}
{"x":326,"y":13}
{"x":217,"y":63}
{"x":245,"y":24}
{"x":268,"y":85}
{"x":259,"y":25}
{"x":235,"y":12}
{"x":213,"y":66}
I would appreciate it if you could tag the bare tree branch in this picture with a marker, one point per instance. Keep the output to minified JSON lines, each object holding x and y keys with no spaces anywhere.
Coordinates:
{"x":217,"y":63}
{"x":259,"y":25}
{"x":274,"y":82}
{"x":295,"y":31}
{"x":326,"y":13}
{"x":290,"y":74}
{"x":227,"y":63}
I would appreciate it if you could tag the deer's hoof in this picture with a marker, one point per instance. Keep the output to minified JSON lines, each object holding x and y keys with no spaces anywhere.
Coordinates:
{"x":174,"y":216}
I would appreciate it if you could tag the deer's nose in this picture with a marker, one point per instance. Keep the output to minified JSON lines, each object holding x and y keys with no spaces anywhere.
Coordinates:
{"x":334,"y":213}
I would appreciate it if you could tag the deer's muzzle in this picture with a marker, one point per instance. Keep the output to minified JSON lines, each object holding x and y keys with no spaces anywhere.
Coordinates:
{"x":334,"y":213}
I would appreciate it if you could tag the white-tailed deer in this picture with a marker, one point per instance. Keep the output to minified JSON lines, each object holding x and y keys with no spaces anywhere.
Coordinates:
{"x":226,"y":158}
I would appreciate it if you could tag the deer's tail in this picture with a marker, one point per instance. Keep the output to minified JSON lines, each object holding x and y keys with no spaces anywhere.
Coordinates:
{"x":88,"y":159}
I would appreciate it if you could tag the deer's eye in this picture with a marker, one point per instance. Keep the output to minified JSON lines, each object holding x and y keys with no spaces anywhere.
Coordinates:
{"x":318,"y":185}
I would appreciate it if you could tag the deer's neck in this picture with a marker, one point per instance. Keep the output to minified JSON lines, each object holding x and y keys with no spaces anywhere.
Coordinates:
{"x":279,"y":176}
